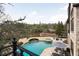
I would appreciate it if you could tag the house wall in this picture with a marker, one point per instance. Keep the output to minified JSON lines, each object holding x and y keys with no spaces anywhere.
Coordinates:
{"x":77,"y":28}
{"x":72,"y":35}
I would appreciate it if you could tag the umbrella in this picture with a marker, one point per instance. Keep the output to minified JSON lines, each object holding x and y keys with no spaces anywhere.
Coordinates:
{"x":59,"y":44}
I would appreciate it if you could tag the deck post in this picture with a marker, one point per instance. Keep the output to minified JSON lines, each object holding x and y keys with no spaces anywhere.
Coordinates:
{"x":0,"y":51}
{"x":21,"y":52}
{"x":14,"y":46}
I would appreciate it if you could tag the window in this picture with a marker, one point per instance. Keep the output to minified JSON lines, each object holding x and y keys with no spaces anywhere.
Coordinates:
{"x":72,"y":48}
{"x":72,"y":25}
{"x":78,"y":52}
{"x":72,"y":13}
{"x":77,"y":12}
{"x":68,"y":28}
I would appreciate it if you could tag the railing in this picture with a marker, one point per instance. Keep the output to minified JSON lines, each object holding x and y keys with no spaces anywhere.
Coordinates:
{"x":4,"y":48}
{"x":14,"y":50}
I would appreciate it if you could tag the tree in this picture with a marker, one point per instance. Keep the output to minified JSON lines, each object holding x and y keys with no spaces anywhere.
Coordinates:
{"x":60,"y":29}
{"x":1,"y":10}
{"x":3,"y":15}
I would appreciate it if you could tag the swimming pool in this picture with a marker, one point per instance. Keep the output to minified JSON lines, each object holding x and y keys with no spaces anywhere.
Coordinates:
{"x":36,"y":47}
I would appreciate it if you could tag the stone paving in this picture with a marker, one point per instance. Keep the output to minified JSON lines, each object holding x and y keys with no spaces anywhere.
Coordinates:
{"x":48,"y":51}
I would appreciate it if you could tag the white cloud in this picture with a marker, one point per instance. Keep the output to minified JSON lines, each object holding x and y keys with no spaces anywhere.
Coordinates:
{"x":31,"y":17}
{"x":35,"y":17}
{"x":59,"y":17}
{"x":34,"y":13}
{"x":64,"y":7}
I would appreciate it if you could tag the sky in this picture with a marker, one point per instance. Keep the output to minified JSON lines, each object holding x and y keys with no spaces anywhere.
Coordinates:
{"x":38,"y":12}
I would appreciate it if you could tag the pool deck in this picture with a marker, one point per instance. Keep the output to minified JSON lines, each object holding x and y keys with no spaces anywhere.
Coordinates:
{"x":41,"y":38}
{"x":48,"y":51}
{"x":23,"y":40}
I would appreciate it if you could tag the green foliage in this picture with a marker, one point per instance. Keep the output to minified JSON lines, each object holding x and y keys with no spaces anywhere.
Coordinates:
{"x":10,"y":29}
{"x":60,"y":29}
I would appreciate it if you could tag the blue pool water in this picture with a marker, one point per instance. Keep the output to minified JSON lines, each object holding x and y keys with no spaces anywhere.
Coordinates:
{"x":36,"y":47}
